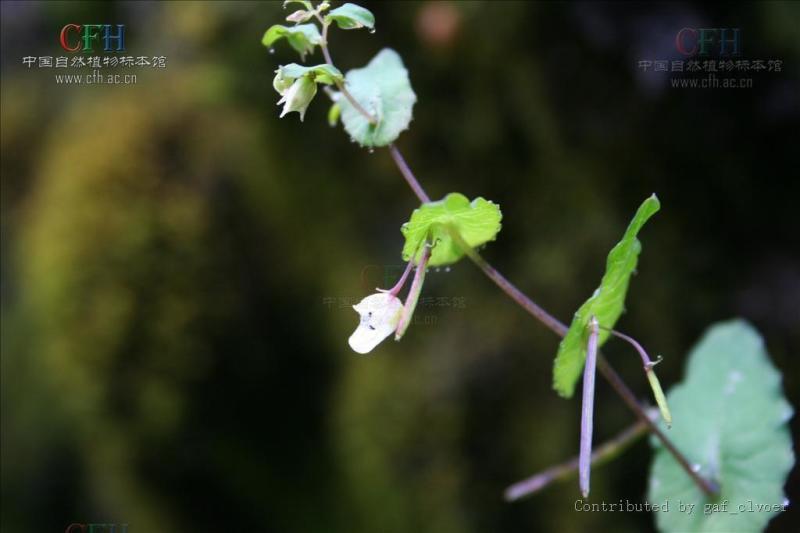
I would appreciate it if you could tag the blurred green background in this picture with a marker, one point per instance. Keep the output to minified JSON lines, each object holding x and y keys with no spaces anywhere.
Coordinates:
{"x":178,"y":263}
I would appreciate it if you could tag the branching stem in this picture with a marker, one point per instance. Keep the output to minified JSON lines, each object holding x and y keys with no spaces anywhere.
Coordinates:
{"x":520,"y":298}
{"x":603,"y":365}
{"x":329,"y":60}
{"x":602,"y":454}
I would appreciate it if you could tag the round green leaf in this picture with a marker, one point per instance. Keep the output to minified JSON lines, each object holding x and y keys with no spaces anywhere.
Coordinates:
{"x":352,"y":17}
{"x":382,"y":88}
{"x":477,"y":222}
{"x":730,"y":420}
{"x":303,"y":37}
{"x":305,"y":3}
{"x":323,"y":73}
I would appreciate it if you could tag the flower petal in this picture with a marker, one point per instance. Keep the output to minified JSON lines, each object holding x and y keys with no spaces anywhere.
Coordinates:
{"x":379,"y":315}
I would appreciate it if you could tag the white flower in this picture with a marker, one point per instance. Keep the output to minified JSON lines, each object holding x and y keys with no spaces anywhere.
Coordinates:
{"x":297,"y":96}
{"x":380,"y":314}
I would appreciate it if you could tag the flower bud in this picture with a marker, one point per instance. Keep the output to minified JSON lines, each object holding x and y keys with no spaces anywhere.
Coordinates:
{"x":281,"y":83}
{"x":299,"y":16}
{"x":298,"y":96}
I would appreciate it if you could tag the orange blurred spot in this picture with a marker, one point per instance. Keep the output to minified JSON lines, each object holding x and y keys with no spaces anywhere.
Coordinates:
{"x":438,"y":23}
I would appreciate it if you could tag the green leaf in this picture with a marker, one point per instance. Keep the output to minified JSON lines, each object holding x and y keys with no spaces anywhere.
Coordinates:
{"x":607,"y":302}
{"x":383,"y":90}
{"x":731,"y":421}
{"x":351,"y":17}
{"x":303,"y":37}
{"x":477,"y":222}
{"x":323,"y":73}
{"x":305,"y":3}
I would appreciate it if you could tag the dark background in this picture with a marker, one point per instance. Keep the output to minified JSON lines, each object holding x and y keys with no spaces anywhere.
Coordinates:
{"x":178,"y":263}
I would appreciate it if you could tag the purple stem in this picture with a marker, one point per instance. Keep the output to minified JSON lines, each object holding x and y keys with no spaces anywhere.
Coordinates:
{"x":537,"y":312}
{"x":394,"y":291}
{"x":587,"y":410}
{"x":408,"y":175}
{"x":329,"y":60}
{"x":605,"y":368}
{"x":413,"y":293}
{"x":606,"y":451}
{"x":648,"y":363}
{"x":661,"y":400}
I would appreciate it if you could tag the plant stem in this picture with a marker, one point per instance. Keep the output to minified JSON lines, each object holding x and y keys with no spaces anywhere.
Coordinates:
{"x":514,"y":293}
{"x":651,"y":375}
{"x":646,"y":361}
{"x":603,"y":453}
{"x":519,"y":297}
{"x":413,"y":292}
{"x":587,"y":410}
{"x":603,"y":365}
{"x":329,"y":60}
{"x":408,"y":175}
{"x":394,"y":291}
{"x":707,"y":486}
